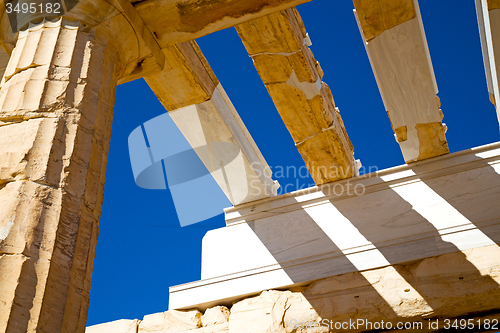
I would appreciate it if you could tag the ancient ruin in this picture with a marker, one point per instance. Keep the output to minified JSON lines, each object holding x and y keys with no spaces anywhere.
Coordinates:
{"x":423,"y":247}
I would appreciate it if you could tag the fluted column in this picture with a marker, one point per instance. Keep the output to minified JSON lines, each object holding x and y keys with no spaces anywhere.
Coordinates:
{"x":56,"y":106}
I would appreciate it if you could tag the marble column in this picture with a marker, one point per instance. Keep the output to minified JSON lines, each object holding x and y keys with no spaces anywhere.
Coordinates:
{"x":56,"y":107}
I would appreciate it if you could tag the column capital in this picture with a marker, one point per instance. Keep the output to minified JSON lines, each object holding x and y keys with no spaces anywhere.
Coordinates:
{"x":109,"y":21}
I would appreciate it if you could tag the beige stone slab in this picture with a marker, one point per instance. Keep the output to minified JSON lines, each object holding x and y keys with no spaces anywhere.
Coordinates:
{"x":210,"y":329}
{"x":143,"y":31}
{"x":171,"y":321}
{"x":214,"y":124}
{"x":193,"y":22}
{"x":277,"y":45}
{"x":187,"y":78}
{"x":401,"y":63}
{"x":117,"y":326}
{"x":493,"y":4}
{"x":421,"y":292}
{"x":266,"y":313}
{"x":418,"y":296}
{"x":179,"y":21}
{"x":444,"y":286}
{"x":409,"y":213}
{"x":217,"y":315}
{"x":203,"y":112}
{"x":376,"y":16}
{"x":302,"y":110}
{"x":174,"y":324}
{"x":154,"y":25}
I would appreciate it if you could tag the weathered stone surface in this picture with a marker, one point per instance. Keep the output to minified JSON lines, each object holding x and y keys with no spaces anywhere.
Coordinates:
{"x":443,"y":286}
{"x":432,"y":139}
{"x":210,"y":329}
{"x":201,"y":109}
{"x":277,"y":45}
{"x":450,"y":286}
{"x":163,"y":23}
{"x":26,"y":149}
{"x":133,"y":52}
{"x":398,"y":52}
{"x":187,"y":78}
{"x":183,"y":20}
{"x":446,"y":286}
{"x":493,"y":4}
{"x":376,"y":16}
{"x":56,"y":106}
{"x":214,"y":316}
{"x":117,"y":326}
{"x":171,"y":321}
{"x":271,"y":311}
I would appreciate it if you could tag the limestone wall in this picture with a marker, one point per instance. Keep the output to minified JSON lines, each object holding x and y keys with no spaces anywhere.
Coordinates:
{"x":422,"y":294}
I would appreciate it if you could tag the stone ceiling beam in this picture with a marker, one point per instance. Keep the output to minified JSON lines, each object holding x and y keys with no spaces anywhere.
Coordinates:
{"x":278,"y":46}
{"x":158,"y":58}
{"x":488,"y":18}
{"x":175,"y":21}
{"x":394,"y":38}
{"x":163,"y":23}
{"x":196,"y":101}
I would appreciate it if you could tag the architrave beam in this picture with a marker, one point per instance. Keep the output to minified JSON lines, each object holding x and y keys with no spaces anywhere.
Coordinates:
{"x":394,"y":38}
{"x":488,"y":18}
{"x":199,"y":106}
{"x":278,"y":45}
{"x":177,"y":21}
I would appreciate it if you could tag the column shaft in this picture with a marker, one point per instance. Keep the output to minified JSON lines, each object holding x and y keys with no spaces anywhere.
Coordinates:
{"x":56,"y":106}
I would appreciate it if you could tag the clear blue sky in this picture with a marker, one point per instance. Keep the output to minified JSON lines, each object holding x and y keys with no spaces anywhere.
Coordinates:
{"x":142,"y":250}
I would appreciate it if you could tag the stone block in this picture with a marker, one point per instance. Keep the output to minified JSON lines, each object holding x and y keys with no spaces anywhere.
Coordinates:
{"x":171,"y":321}
{"x":278,"y":46}
{"x":117,"y":326}
{"x":216,"y":315}
{"x":210,"y":329}
{"x":271,"y":311}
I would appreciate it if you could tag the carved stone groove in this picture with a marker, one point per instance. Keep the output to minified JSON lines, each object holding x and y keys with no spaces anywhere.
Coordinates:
{"x":56,"y":111}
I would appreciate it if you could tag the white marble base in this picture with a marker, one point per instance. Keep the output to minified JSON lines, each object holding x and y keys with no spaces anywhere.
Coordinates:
{"x":442,"y":205}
